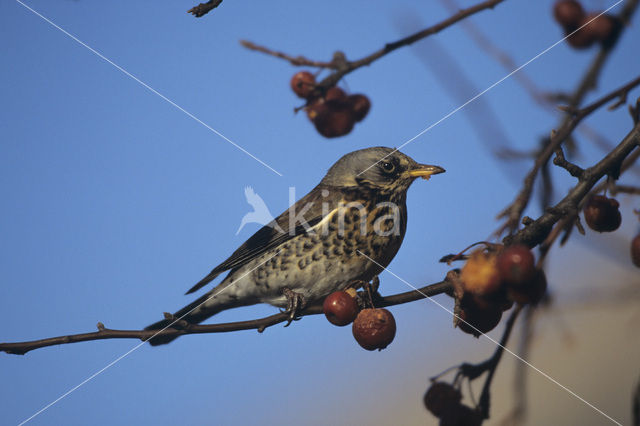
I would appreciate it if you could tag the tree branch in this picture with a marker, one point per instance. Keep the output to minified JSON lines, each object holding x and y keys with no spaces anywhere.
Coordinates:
{"x":343,"y":67}
{"x":514,"y":211}
{"x":21,"y":348}
{"x":535,"y":232}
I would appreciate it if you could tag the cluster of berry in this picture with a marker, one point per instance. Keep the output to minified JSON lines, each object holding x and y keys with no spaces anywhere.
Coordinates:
{"x":332,"y":111}
{"x":593,"y":28}
{"x":493,"y":279}
{"x":372,"y":328}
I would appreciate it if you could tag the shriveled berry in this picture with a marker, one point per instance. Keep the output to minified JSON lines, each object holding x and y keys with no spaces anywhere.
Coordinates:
{"x":340,"y":308}
{"x":602,"y":214}
{"x":374,"y":328}
{"x":568,"y":13}
{"x":635,"y":250}
{"x":531,"y":293}
{"x":440,"y":396}
{"x":360,"y":106}
{"x":516,"y":265}
{"x":476,"y":319}
{"x":303,"y":83}
{"x":480,"y":274}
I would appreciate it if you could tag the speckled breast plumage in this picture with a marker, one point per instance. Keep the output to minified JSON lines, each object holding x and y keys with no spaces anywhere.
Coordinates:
{"x":330,"y":257}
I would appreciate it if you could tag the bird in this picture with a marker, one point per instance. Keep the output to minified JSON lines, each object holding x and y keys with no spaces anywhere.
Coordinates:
{"x":346,"y":230}
{"x":260,"y":213}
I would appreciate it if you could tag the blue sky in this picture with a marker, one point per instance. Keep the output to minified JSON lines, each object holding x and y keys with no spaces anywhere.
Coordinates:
{"x":115,"y":202}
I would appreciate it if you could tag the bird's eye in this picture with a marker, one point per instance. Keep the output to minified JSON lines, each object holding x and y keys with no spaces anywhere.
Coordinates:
{"x":388,"y":167}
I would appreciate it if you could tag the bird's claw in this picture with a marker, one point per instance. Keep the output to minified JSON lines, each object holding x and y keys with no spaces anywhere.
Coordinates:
{"x":295,"y":303}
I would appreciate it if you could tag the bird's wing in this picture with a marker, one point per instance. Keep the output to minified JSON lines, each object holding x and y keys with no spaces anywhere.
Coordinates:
{"x":272,"y":235}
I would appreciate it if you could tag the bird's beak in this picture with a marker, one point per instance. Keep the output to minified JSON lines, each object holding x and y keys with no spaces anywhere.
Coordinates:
{"x":425,"y":171}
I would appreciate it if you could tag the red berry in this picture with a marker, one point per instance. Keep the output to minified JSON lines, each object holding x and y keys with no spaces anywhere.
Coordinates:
{"x":340,"y":308}
{"x":581,"y":39}
{"x":331,"y":120}
{"x":335,"y":94}
{"x":532,"y":292}
{"x":477,"y":319}
{"x":603,"y":27}
{"x":568,"y":13}
{"x":480,"y":274}
{"x":316,"y":108}
{"x":303,"y":83}
{"x":602,"y":214}
{"x":374,"y":328}
{"x":360,"y":106}
{"x":635,"y":250}
{"x":516,"y":265}
{"x":440,"y":396}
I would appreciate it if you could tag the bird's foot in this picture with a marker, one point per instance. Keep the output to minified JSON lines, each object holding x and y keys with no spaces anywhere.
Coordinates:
{"x":295,"y":303}
{"x":370,"y":294}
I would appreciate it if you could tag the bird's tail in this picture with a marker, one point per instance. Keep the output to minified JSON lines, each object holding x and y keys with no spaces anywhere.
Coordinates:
{"x":194,"y":313}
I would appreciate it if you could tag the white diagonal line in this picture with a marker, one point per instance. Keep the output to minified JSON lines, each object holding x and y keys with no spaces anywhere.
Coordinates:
{"x":88,"y":379}
{"x":545,"y":375}
{"x":128,"y":74}
{"x":426,"y":129}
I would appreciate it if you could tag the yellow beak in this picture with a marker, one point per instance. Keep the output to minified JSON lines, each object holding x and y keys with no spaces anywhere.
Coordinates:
{"x":425,"y":171}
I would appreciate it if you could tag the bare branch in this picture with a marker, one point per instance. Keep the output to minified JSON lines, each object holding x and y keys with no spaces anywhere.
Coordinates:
{"x":514,"y":211}
{"x":340,"y":70}
{"x":21,"y":348}
{"x":537,"y":231}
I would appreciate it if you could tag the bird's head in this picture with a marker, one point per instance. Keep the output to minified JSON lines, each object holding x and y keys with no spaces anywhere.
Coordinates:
{"x":384,"y":169}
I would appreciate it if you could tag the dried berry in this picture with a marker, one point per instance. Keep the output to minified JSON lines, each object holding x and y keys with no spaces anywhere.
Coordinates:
{"x":374,"y":328}
{"x":477,"y":319}
{"x":480,"y":274}
{"x":303,"y":83}
{"x":602,"y":214}
{"x":360,"y":106}
{"x":440,"y":396}
{"x":635,"y":250}
{"x":568,"y":13}
{"x":531,"y":293}
{"x":340,"y":308}
{"x":516,"y":265}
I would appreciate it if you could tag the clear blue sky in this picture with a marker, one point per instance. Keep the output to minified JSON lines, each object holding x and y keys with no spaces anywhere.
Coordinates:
{"x":114,"y":202}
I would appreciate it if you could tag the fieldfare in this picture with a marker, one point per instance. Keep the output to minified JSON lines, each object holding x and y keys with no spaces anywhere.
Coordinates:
{"x":319,"y":245}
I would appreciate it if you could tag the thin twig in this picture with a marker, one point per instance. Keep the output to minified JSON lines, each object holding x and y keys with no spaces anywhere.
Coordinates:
{"x":535,"y":232}
{"x":473,"y":371}
{"x":342,"y":69}
{"x":20,"y":348}
{"x":514,"y":211}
